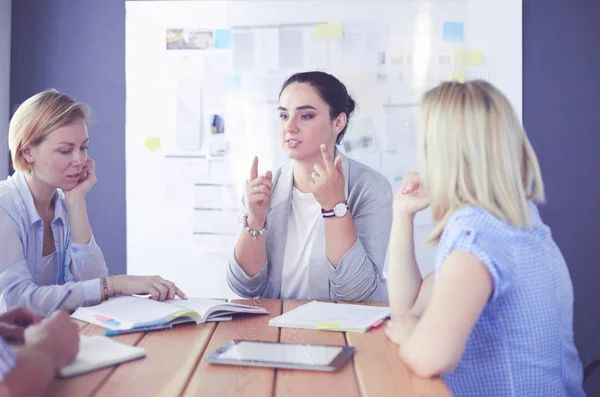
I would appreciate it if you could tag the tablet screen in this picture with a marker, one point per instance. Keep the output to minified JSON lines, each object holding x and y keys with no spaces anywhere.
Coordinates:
{"x":282,"y":353}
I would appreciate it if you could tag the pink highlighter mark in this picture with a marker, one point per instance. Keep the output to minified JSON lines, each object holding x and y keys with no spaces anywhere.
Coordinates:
{"x":100,"y":317}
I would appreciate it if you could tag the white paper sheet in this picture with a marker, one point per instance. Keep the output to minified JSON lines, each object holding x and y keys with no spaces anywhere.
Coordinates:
{"x":322,"y":315}
{"x":243,"y":51}
{"x":267,"y":49}
{"x":188,"y":113}
{"x":217,"y":66}
{"x":291,"y":49}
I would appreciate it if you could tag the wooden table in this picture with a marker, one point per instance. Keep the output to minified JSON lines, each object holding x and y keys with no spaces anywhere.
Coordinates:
{"x":174,"y":366}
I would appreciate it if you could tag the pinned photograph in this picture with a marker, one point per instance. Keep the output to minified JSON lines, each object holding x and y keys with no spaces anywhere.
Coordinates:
{"x":189,"y":39}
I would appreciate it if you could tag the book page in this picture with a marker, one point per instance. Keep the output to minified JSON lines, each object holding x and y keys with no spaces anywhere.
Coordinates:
{"x":199,"y":305}
{"x":125,"y":312}
{"x":210,"y":307}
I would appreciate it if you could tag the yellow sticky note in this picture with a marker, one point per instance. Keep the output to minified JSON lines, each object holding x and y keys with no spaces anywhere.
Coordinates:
{"x":468,"y":58}
{"x":326,"y":325}
{"x":329,"y":31}
{"x":457,"y":76}
{"x":152,"y":143}
{"x":183,"y":312}
{"x":330,"y":326}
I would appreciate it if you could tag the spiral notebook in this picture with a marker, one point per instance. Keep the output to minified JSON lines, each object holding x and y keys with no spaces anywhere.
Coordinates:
{"x":97,"y":352}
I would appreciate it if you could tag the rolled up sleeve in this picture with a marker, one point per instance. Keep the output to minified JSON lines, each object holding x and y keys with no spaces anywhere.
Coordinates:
{"x":244,"y":285}
{"x":359,"y":274}
{"x":238,"y":280}
{"x":88,"y":261}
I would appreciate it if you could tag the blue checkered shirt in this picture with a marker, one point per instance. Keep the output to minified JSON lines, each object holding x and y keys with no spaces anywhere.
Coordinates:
{"x":522,"y":345}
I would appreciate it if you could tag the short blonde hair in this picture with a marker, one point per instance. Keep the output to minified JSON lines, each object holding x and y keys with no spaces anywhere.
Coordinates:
{"x":37,"y":117}
{"x":473,"y":151}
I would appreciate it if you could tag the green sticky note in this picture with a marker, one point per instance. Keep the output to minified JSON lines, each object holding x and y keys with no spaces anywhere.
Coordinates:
{"x":329,"y":31}
{"x":325,"y":326}
{"x":457,"y":76}
{"x":468,"y":58}
{"x":152,"y":143}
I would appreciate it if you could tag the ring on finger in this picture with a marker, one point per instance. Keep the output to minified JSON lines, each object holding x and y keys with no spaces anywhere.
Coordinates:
{"x":313,"y":176}
{"x":257,"y":188}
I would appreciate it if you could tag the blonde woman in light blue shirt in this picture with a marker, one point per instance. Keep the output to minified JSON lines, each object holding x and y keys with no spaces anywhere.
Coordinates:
{"x":46,"y":241}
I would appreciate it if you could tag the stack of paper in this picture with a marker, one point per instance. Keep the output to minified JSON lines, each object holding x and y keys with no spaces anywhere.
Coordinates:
{"x":332,"y":317}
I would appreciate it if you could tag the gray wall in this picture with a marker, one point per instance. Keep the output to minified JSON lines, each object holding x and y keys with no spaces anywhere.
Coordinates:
{"x":78,"y":46}
{"x":561,"y":56}
{"x":5,"y":12}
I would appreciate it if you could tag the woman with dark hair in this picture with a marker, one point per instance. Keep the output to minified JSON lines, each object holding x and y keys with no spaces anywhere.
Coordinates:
{"x":317,"y":228}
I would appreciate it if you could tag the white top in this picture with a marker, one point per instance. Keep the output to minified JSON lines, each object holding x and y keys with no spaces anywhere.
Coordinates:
{"x":47,"y":273}
{"x":302,"y":227}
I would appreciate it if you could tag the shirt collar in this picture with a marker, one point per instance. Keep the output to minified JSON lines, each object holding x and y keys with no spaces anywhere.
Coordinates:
{"x":27,"y":197}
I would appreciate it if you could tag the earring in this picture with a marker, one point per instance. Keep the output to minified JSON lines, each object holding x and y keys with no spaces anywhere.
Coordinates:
{"x":334,"y":132}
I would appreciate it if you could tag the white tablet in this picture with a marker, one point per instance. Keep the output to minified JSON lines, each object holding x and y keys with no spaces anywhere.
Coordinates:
{"x":282,"y":355}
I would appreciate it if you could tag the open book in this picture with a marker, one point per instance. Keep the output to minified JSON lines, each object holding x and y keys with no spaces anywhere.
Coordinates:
{"x":332,"y":317}
{"x":96,"y":352}
{"x":129,"y":312}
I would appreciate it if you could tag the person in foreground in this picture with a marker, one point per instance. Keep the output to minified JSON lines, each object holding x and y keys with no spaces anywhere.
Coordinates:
{"x":499,"y":319}
{"x":39,"y":348}
{"x":46,"y":240}
{"x":317,"y":228}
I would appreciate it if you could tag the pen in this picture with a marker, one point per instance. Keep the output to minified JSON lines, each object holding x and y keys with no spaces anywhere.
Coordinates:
{"x":114,"y":332}
{"x":60,"y":302}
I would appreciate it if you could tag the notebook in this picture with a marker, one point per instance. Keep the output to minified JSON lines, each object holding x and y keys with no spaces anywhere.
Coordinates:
{"x":332,"y":317}
{"x":129,"y":312}
{"x":96,"y":352}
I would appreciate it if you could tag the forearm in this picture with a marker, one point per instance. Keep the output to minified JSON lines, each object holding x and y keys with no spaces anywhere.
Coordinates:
{"x":424,"y":296}
{"x":19,"y":290}
{"x":250,"y":253}
{"x":340,"y":236}
{"x":32,"y":375}
{"x":86,"y":262}
{"x":424,"y":355}
{"x":81,"y":232}
{"x":404,"y":277}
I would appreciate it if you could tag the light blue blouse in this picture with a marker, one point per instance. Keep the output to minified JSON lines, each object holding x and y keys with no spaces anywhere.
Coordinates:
{"x":21,"y":244}
{"x":522,"y":345}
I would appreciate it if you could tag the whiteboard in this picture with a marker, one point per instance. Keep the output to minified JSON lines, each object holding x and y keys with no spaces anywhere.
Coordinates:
{"x":191,"y":64}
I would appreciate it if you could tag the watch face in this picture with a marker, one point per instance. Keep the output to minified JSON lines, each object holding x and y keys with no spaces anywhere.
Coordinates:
{"x":340,"y":209}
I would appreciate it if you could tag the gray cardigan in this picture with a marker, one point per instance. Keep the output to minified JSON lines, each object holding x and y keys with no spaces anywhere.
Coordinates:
{"x":358,"y":276}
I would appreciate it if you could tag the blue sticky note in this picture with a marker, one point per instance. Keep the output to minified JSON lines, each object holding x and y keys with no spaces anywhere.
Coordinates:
{"x":233,"y":83}
{"x":223,"y":38}
{"x":453,"y":31}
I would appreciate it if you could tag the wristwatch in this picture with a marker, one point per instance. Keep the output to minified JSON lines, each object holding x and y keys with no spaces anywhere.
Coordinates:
{"x":339,"y":210}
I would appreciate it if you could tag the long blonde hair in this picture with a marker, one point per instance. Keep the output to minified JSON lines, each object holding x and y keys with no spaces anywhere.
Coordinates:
{"x":37,"y":117}
{"x":473,"y":151}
